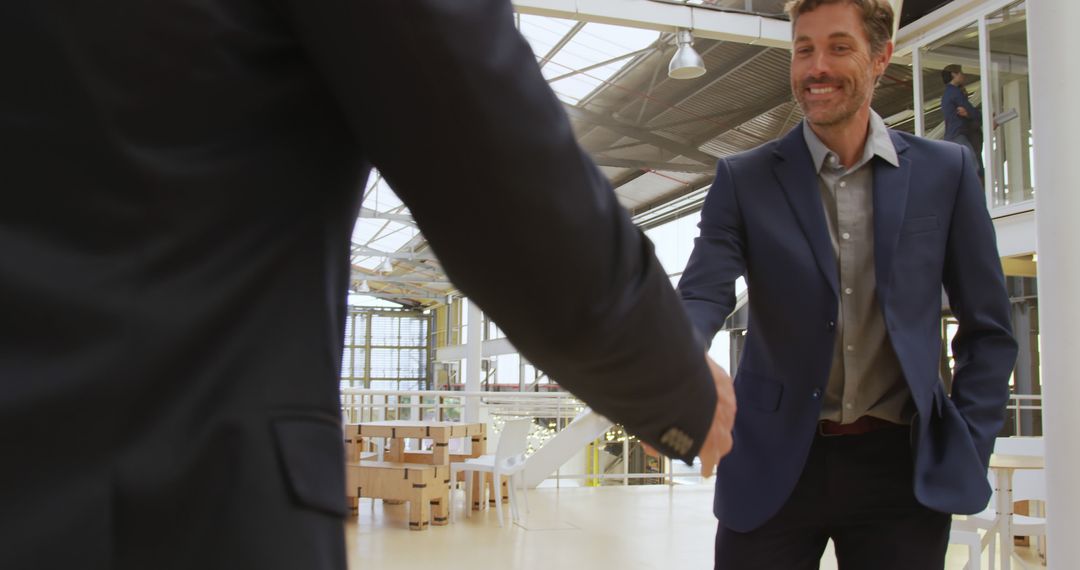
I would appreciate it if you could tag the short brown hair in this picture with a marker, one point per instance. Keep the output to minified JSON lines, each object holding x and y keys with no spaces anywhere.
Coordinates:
{"x":877,"y":17}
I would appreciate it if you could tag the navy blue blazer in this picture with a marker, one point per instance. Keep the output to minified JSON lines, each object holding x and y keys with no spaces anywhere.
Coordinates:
{"x":763,"y":219}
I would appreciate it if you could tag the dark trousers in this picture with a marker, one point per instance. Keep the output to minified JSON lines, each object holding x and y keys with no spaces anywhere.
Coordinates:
{"x":858,"y":491}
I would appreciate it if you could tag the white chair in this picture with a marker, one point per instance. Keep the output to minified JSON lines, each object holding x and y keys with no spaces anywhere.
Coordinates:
{"x":508,"y":461}
{"x":966,"y":532}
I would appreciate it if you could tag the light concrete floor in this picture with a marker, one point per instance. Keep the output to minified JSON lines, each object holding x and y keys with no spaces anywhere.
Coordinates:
{"x":654,"y":527}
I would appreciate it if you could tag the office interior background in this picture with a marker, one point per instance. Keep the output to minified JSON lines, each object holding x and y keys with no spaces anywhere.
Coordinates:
{"x":657,"y":90}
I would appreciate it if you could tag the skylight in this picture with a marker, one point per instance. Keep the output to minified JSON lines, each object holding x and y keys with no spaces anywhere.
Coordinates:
{"x":379,"y":196}
{"x":570,"y":69}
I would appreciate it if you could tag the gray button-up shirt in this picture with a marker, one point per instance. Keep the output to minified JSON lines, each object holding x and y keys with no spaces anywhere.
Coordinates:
{"x":865,"y":378}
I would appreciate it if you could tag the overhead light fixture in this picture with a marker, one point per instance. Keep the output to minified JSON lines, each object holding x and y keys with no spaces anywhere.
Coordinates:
{"x":686,"y":63}
{"x":386,"y":266}
{"x":363,"y":288}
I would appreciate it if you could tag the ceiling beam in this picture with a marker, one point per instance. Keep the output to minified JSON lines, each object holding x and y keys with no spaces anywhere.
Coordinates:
{"x":417,"y":279}
{"x":404,"y":300}
{"x":363,"y":250}
{"x":747,"y":57}
{"x":668,"y":198}
{"x":561,"y":43}
{"x":643,"y":135}
{"x":732,"y":124}
{"x":377,"y":215}
{"x":626,"y":177}
{"x":654,"y":165}
{"x":645,"y":14}
{"x":645,"y":98}
{"x":601,"y":64}
{"x":406,"y":290}
{"x":720,"y":117}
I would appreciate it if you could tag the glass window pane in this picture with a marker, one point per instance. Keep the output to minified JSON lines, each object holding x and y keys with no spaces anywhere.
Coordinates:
{"x":360,"y":330}
{"x":358,"y":363}
{"x":1011,"y":140}
{"x":384,"y":363}
{"x":397,"y":347}
{"x":384,"y":330}
{"x":346,"y":364}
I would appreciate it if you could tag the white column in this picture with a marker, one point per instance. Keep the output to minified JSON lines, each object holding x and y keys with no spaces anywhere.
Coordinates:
{"x":917,"y":89}
{"x":986,"y":78}
{"x":521,"y":373}
{"x":1052,"y":39}
{"x":473,"y":353}
{"x":1015,"y":136}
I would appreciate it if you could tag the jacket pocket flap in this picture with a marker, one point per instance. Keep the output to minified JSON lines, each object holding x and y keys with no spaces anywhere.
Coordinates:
{"x":313,"y":458}
{"x":757,"y":391}
{"x":919,"y":225}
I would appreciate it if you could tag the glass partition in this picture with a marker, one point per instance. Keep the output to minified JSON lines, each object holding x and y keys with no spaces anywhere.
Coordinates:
{"x":960,"y":48}
{"x":954,"y":68}
{"x":1011,"y":148}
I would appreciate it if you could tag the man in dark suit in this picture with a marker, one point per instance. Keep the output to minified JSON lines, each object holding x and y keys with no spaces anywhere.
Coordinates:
{"x":963,"y":122}
{"x":846,"y":232}
{"x":180,"y":182}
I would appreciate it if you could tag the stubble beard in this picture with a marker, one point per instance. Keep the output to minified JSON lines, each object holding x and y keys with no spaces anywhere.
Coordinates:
{"x":823,"y":115}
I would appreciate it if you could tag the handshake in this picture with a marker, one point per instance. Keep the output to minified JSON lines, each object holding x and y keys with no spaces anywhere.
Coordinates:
{"x":718,"y":441}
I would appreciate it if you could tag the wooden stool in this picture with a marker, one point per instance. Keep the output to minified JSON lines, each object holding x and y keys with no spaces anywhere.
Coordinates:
{"x":420,"y":485}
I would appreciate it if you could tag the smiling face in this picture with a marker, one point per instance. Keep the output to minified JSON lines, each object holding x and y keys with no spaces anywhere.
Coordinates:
{"x":833,"y":70}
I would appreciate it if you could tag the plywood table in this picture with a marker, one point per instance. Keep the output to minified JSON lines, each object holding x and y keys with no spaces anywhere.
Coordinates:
{"x":439,"y":433}
{"x":396,"y":432}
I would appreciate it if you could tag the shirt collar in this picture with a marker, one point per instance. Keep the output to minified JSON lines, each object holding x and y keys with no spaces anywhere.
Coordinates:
{"x":878,"y":143}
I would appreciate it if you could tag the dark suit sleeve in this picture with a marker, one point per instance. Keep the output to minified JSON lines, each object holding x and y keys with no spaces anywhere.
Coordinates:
{"x":954,"y":99}
{"x":447,"y":100}
{"x":984,"y":347}
{"x":707,"y":286}
{"x":948,"y":103}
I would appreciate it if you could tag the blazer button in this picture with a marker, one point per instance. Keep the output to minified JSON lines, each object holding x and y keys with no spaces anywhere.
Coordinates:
{"x":816,"y":394}
{"x":832,"y":325}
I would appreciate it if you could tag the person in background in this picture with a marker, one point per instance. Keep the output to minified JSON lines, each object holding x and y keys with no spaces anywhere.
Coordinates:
{"x":963,"y":121}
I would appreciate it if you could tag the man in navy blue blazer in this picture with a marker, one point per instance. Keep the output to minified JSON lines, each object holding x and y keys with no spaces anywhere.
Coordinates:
{"x":846,"y":232}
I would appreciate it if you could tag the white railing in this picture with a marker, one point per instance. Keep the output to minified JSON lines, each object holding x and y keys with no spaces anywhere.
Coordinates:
{"x":359,"y":404}
{"x":1018,"y":405}
{"x":557,"y":409}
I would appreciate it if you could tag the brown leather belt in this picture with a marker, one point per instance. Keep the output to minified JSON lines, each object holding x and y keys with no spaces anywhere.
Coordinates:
{"x":865,"y":424}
